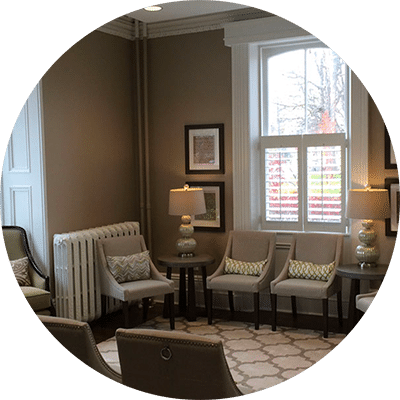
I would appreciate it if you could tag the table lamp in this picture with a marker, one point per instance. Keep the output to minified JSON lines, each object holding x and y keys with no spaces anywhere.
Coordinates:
{"x":186,"y":202}
{"x":368,"y":205}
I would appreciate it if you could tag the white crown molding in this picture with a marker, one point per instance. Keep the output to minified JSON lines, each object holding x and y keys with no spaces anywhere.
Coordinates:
{"x":125,"y":26}
{"x":275,"y":29}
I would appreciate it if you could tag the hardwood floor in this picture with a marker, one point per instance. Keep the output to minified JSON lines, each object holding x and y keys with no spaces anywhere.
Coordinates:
{"x":105,"y":327}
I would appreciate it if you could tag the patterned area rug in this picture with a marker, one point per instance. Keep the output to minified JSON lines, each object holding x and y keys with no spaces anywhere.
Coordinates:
{"x":257,"y":359}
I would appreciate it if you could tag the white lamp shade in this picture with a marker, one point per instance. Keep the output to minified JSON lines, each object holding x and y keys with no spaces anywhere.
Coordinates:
{"x":186,"y":201}
{"x":368,"y":204}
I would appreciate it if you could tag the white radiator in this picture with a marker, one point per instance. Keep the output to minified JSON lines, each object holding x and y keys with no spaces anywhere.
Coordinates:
{"x":77,"y":285}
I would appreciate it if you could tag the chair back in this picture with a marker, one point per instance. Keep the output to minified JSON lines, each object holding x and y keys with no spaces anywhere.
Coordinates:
{"x":122,"y":245}
{"x":77,"y":338}
{"x":15,"y":242}
{"x":250,"y":246}
{"x":319,"y":248}
{"x":174,"y":364}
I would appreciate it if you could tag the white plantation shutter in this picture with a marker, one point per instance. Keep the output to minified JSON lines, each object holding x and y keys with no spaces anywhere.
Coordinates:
{"x":281,"y":184}
{"x":325,"y":173}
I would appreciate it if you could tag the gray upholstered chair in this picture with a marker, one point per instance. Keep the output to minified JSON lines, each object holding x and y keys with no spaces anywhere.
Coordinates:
{"x":135,"y":290}
{"x":174,"y":364}
{"x":77,"y":338}
{"x":37,"y":292}
{"x":248,"y":246}
{"x":364,"y":300}
{"x":317,"y":248}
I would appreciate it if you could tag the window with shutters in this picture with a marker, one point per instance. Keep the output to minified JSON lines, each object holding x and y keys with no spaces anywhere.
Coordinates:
{"x":304,"y":137}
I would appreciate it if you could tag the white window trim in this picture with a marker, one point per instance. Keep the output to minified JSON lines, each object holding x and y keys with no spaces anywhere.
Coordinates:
{"x":244,"y":38}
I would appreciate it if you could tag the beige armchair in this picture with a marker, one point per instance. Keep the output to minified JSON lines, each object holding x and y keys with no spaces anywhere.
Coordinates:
{"x":37,"y":292}
{"x":364,"y":300}
{"x":174,"y":364}
{"x":248,"y":246}
{"x":317,"y":248}
{"x":77,"y":338}
{"x":135,"y":290}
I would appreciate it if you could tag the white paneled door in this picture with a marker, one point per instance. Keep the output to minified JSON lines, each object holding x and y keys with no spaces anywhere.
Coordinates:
{"x":23,"y":179}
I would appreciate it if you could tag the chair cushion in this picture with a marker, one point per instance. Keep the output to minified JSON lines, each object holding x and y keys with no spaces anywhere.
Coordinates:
{"x":308,"y":270}
{"x":38,"y":299}
{"x":235,"y":282}
{"x":144,"y":288}
{"x":306,"y":288}
{"x":20,"y":269}
{"x":134,"y":267}
{"x":243,"y":267}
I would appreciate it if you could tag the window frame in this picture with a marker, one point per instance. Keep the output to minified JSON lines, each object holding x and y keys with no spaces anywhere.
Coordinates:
{"x":244,"y":38}
{"x":302,"y":143}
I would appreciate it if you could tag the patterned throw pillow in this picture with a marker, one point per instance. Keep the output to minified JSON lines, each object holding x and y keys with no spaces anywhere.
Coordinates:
{"x":20,"y":269}
{"x":309,"y":270}
{"x":135,"y":267}
{"x":243,"y":267}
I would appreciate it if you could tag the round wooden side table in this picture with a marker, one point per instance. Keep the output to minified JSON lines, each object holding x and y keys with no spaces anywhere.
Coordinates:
{"x":357,"y":274}
{"x":187,"y":264}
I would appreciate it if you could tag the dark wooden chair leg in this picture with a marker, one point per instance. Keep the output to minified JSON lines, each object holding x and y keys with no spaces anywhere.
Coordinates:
{"x":325,"y":312}
{"x":166,"y":308}
{"x":182,"y":291}
{"x":166,"y":311}
{"x":125,"y":309}
{"x":53,"y":311}
{"x":231,"y":303}
{"x":294,"y":306}
{"x":340,"y":308}
{"x":210,"y":305}
{"x":103,"y":305}
{"x":145,"y":308}
{"x":204,"y":277}
{"x":257,"y":310}
{"x":191,"y":304}
{"x":171,"y":311}
{"x":273,"y":309}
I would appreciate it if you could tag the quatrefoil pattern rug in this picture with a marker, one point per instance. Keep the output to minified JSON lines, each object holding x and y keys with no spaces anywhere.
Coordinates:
{"x":257,"y":359}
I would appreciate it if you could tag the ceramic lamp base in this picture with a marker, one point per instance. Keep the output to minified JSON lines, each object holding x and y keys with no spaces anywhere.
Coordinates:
{"x":367,"y":253}
{"x":186,"y":244}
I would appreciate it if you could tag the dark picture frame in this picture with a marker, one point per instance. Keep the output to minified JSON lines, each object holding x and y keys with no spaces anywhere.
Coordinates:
{"x":214,"y":219}
{"x":391,"y":224}
{"x":390,"y":160}
{"x":204,"y":149}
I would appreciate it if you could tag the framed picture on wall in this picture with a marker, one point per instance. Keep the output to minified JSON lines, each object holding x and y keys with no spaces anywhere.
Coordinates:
{"x":390,"y":160}
{"x":214,"y":218}
{"x":392,"y":223}
{"x":204,"y":149}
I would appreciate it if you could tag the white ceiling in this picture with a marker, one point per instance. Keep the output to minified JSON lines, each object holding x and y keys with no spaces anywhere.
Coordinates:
{"x":183,"y":9}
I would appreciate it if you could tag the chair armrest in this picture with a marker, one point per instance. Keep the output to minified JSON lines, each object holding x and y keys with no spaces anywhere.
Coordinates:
{"x":283,"y":275}
{"x":109,"y":286}
{"x":39,"y":280}
{"x":219,"y":271}
{"x":157,"y":275}
{"x":369,"y":294}
{"x":268,"y":272}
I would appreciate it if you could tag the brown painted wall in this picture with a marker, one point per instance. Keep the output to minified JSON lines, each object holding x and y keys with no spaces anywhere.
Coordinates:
{"x":377,"y":174}
{"x":90,"y":135}
{"x":189,"y":83}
